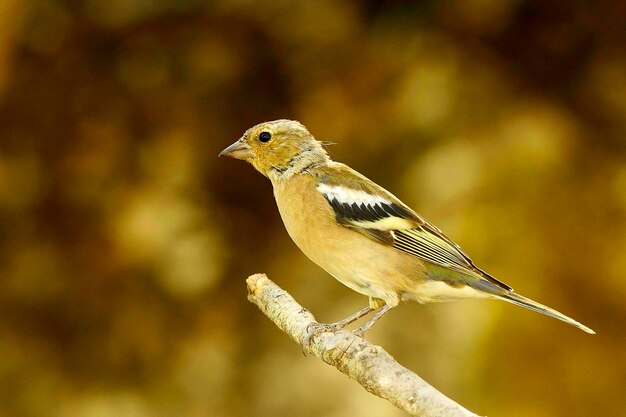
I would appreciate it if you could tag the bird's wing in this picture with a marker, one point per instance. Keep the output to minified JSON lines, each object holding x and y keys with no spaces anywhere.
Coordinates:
{"x":369,"y":209}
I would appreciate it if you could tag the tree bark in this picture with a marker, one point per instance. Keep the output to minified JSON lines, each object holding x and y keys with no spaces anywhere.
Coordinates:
{"x":368,"y":364}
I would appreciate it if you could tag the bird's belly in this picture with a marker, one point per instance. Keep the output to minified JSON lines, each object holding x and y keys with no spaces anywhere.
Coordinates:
{"x":358,"y":270}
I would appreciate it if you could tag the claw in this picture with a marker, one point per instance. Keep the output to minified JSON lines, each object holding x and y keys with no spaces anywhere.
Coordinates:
{"x":314,"y":328}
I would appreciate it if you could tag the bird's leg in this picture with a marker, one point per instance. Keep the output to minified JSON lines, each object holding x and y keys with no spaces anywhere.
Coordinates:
{"x":314,"y":329}
{"x":368,"y":325}
{"x":351,"y":319}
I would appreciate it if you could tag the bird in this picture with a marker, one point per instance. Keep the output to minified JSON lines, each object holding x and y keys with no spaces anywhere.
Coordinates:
{"x":361,"y":234}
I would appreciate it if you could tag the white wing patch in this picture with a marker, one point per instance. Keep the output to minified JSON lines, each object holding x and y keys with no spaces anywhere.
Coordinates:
{"x":386,"y":224}
{"x":349,"y":196}
{"x":361,"y":209}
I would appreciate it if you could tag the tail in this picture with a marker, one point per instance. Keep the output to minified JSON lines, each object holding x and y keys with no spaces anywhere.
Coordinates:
{"x":522,"y":301}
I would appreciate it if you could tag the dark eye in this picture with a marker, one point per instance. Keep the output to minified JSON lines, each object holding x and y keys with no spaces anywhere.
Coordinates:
{"x":265,"y":136}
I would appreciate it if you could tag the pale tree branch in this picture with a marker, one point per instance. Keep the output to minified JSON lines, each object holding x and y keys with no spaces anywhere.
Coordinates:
{"x":362,"y":361}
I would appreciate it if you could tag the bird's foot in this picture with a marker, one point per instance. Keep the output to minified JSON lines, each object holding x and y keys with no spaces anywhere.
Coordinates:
{"x":360,"y":331}
{"x":314,"y":328}
{"x":368,"y":325}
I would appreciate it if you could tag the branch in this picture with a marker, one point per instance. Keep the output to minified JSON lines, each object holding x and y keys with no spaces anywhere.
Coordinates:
{"x":368,"y":364}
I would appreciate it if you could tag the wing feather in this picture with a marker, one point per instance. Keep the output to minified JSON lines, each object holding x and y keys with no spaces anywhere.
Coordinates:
{"x":376,"y":213}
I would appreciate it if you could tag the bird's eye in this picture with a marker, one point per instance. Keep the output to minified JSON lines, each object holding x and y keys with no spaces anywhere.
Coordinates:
{"x":265,"y":136}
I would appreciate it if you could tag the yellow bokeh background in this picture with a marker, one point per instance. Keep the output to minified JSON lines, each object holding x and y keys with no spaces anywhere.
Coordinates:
{"x":126,"y":242}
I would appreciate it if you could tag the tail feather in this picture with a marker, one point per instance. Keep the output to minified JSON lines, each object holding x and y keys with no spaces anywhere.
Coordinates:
{"x":522,"y":301}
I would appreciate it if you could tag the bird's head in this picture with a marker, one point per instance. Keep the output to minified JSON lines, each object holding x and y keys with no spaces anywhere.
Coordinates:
{"x":278,"y":149}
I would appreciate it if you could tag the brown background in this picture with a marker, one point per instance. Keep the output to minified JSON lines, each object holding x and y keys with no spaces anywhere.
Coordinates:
{"x":125,"y":242}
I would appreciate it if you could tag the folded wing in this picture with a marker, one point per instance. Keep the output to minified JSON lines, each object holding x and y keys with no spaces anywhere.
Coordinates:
{"x":376,"y":213}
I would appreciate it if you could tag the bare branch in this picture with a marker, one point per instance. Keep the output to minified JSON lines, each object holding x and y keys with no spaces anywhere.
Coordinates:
{"x":368,"y":364}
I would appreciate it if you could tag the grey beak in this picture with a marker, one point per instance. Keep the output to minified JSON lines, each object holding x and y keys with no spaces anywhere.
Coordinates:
{"x":238,"y":150}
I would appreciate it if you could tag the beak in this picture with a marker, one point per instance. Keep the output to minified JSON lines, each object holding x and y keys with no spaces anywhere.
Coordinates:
{"x":238,"y":150}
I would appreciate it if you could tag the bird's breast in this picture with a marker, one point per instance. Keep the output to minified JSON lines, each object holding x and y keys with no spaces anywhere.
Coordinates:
{"x":357,"y":261}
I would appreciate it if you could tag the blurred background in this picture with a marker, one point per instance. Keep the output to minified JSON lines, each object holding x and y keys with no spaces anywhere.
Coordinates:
{"x":125,"y":242}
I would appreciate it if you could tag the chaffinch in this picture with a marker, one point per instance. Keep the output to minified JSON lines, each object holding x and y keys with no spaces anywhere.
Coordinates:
{"x":362,"y":234}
